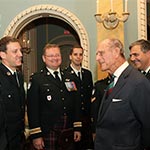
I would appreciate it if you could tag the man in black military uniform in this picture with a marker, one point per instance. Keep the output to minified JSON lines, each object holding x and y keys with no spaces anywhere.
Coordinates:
{"x":52,"y":104}
{"x":83,"y":80}
{"x":140,"y":56}
{"x":12,"y":91}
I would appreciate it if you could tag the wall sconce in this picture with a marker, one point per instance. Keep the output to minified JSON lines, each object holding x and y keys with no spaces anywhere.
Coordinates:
{"x":26,"y":46}
{"x":111,"y":19}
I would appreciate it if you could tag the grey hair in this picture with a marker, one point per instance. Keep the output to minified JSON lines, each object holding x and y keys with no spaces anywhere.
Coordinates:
{"x":113,"y":43}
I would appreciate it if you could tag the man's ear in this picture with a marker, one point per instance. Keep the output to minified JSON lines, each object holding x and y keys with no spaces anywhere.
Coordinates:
{"x":116,"y":52}
{"x":70,"y":57}
{"x":43,"y":58}
{"x":2,"y":55}
{"x":148,"y":52}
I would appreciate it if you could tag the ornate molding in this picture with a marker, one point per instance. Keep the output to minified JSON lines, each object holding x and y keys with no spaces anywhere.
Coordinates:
{"x":142,"y":19}
{"x":39,"y":11}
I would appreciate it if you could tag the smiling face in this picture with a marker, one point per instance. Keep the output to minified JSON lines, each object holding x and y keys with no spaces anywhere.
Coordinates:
{"x":139,"y":58}
{"x":52,"y":58}
{"x":76,"y":57}
{"x":12,"y":57}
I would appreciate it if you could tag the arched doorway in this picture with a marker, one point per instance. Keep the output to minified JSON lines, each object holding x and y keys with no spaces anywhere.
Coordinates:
{"x":30,"y":24}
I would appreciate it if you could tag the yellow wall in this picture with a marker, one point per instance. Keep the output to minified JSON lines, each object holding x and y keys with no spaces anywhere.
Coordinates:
{"x":104,"y":6}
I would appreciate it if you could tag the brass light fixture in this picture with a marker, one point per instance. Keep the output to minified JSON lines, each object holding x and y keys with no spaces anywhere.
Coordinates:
{"x":111,"y":19}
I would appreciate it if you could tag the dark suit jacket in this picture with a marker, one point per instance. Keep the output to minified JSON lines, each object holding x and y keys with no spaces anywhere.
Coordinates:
{"x":13,"y":98}
{"x":48,"y":101}
{"x":84,"y":87}
{"x":123,"y":121}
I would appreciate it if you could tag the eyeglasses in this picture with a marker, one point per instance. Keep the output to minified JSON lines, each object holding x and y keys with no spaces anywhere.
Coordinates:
{"x":53,"y":56}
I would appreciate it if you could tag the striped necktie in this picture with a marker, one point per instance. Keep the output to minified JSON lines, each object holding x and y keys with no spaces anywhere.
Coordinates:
{"x":111,"y":85}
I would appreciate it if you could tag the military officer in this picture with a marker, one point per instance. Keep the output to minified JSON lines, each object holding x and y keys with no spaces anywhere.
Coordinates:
{"x":52,"y":104}
{"x":12,"y":91}
{"x":83,"y":79}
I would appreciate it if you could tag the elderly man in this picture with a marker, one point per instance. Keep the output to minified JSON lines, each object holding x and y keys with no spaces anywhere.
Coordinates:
{"x":124,"y":111}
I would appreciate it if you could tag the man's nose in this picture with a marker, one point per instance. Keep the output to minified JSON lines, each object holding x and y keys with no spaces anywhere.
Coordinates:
{"x":132,"y":57}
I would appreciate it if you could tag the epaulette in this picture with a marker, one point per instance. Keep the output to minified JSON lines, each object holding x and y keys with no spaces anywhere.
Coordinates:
{"x":31,"y":76}
{"x":34,"y":74}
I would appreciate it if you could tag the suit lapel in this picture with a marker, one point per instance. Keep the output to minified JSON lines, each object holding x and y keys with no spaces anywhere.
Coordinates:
{"x":106,"y":101}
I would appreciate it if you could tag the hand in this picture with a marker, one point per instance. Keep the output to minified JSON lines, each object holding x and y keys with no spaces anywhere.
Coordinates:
{"x":94,"y":136}
{"x":77,"y":136}
{"x":38,"y":143}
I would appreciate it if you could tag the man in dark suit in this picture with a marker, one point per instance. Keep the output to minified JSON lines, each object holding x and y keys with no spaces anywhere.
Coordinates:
{"x":83,"y":79}
{"x":12,"y":91}
{"x":124,"y":111}
{"x":52,"y":104}
{"x":140,"y":56}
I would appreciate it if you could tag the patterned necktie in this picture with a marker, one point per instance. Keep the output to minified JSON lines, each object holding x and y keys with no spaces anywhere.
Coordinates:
{"x":111,"y":85}
{"x":56,"y":76}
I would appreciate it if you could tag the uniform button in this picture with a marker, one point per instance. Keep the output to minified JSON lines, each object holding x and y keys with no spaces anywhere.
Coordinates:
{"x":9,"y":96}
{"x":63,"y":99}
{"x":65,"y":114}
{"x":82,"y":103}
{"x":47,"y":90}
{"x":81,"y":95}
{"x":82,"y":108}
{"x":64,"y":107}
{"x":81,"y":87}
{"x":61,"y":90}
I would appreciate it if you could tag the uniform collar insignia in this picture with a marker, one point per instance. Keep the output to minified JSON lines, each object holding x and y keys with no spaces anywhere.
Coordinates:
{"x":72,"y":71}
{"x":48,"y":73}
{"x":8,"y":73}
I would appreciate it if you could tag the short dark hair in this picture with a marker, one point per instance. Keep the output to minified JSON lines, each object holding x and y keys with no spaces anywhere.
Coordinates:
{"x":4,"y":41}
{"x":73,"y":47}
{"x":144,"y":44}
